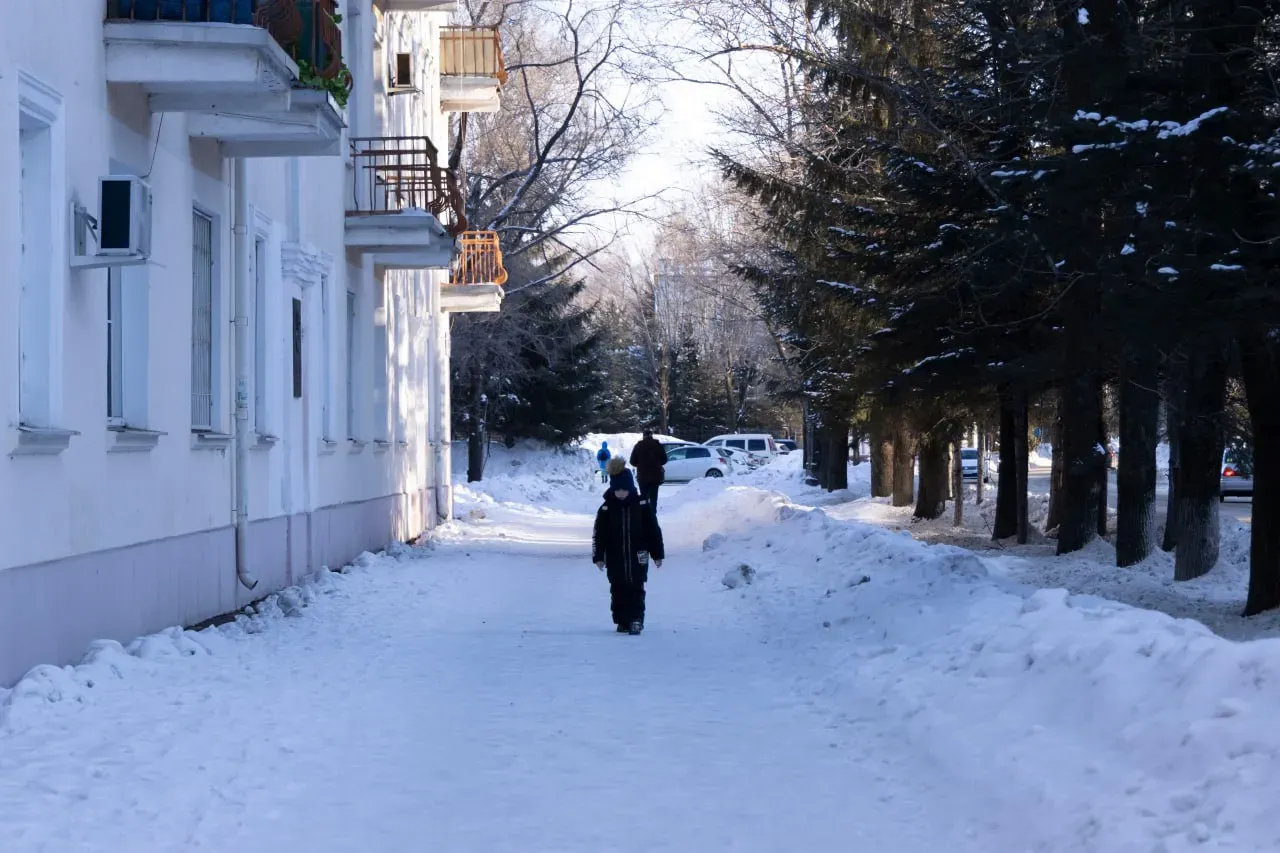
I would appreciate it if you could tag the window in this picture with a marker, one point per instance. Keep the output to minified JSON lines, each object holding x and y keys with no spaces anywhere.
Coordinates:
{"x":326,"y":340}
{"x":41,"y":192}
{"x":699,"y":453}
{"x":736,"y":442}
{"x":757,"y":444}
{"x":381,"y":369}
{"x":351,"y":365}
{"x":127,"y":342}
{"x":677,"y":453}
{"x":297,"y":349}
{"x":260,"y":337}
{"x":115,"y":352}
{"x":202,"y":340}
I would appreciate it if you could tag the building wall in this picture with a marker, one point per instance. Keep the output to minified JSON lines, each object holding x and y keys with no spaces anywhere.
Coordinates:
{"x":103,"y":540}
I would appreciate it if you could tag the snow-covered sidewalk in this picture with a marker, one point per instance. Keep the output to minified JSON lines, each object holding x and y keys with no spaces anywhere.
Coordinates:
{"x":471,"y":698}
{"x":863,"y":692}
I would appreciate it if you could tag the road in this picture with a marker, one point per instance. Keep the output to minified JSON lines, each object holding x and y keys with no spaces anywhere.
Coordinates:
{"x":1241,"y":509}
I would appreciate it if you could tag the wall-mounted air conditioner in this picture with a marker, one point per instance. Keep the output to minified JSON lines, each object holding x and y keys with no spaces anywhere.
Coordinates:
{"x":122,"y":228}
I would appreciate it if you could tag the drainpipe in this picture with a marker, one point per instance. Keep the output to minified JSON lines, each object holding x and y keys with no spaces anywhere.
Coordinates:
{"x":240,"y":233}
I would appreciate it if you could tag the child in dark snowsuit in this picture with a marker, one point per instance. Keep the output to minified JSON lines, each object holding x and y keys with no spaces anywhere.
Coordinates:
{"x":626,"y":537}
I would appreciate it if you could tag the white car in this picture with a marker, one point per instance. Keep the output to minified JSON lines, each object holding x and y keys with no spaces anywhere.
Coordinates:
{"x":757,"y":444}
{"x":738,"y":457}
{"x":969,"y":463}
{"x":693,"y":462}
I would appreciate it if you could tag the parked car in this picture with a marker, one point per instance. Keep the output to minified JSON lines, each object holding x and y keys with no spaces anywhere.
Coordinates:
{"x":969,"y":463}
{"x":758,"y":444}
{"x":693,"y":462}
{"x":739,"y":458}
{"x":1237,"y":473}
{"x":786,"y":445}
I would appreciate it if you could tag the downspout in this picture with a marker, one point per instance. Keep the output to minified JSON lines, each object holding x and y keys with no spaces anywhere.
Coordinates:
{"x":240,"y":234}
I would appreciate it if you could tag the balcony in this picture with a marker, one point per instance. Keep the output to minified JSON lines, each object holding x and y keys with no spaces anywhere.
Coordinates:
{"x":405,"y":209}
{"x":471,"y":70}
{"x":251,"y":74}
{"x":477,"y":275}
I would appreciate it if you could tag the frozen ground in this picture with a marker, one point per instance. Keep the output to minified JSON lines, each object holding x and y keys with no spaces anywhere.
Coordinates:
{"x":864,"y":692}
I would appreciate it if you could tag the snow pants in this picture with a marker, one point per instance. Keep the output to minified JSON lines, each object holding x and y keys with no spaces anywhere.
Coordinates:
{"x":649,"y":491}
{"x":626,"y":601}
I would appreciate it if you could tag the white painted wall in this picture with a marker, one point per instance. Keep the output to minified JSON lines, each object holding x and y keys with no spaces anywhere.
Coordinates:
{"x":91,"y":497}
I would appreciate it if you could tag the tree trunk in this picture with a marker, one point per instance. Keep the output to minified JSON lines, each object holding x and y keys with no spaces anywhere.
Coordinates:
{"x":1175,"y":392}
{"x":475,"y":455}
{"x":957,"y":482}
{"x":1136,"y":477}
{"x":1199,"y":475}
{"x":836,"y":456}
{"x":931,"y":501}
{"x":476,"y":433}
{"x":1104,"y":475}
{"x":904,"y":467}
{"x":1084,"y":462}
{"x":881,"y":437}
{"x":1260,"y":358}
{"x":1006,"y":520}
{"x":1022,"y":458}
{"x":1056,"y":478}
{"x":980,"y":442}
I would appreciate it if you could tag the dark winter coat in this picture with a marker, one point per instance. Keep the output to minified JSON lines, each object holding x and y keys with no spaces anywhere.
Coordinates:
{"x":648,"y":458}
{"x":623,"y":529}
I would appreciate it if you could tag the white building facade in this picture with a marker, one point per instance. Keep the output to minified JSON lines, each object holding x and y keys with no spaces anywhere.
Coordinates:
{"x":227,"y":366}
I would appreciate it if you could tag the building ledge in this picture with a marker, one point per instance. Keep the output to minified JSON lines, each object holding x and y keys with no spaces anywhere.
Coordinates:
{"x":265,"y":441}
{"x":471,"y":298}
{"x":211,"y":440}
{"x":175,"y":60}
{"x":470,"y":94}
{"x":42,"y":441}
{"x":418,"y":5}
{"x":127,"y":439}
{"x":327,"y":446}
{"x":409,"y":239}
{"x":355,"y":445}
{"x":381,"y":445}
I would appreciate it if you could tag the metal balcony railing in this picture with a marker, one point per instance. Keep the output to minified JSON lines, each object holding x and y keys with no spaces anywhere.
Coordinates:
{"x":398,"y":173}
{"x":306,"y":29}
{"x":472,"y":52}
{"x":480,"y":261}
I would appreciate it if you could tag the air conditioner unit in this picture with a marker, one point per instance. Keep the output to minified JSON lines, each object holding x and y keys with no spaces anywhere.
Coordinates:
{"x":121,"y":230}
{"x":124,"y":216}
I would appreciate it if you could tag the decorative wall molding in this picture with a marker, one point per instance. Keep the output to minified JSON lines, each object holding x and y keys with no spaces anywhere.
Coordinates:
{"x":304,"y":263}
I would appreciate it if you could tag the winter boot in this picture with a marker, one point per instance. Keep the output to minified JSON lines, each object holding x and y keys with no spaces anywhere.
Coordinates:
{"x":622,"y":629}
{"x":636,"y":628}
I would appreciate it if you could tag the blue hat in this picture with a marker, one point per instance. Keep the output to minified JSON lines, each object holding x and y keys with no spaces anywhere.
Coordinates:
{"x":604,"y":444}
{"x":623,"y":480}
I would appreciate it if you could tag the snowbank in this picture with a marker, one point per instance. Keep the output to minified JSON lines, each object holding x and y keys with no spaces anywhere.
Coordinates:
{"x":46,"y":687}
{"x":1132,"y":730}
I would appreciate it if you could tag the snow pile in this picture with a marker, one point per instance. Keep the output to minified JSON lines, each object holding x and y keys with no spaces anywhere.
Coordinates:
{"x":538,"y":474}
{"x":1128,"y":729}
{"x":45,"y":687}
{"x":1216,"y":599}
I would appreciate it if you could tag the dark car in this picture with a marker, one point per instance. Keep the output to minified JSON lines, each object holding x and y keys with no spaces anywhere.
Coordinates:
{"x":1237,"y":473}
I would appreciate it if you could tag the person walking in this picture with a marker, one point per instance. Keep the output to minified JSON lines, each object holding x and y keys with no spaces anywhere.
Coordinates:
{"x":602,"y":459}
{"x":649,"y":457}
{"x":625,"y":538}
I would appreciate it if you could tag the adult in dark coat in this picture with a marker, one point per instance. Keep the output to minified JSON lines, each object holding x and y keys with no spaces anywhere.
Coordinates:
{"x":626,"y":537}
{"x":648,"y":458}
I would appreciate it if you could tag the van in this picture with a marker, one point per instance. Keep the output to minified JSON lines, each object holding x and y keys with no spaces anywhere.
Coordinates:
{"x":758,"y":444}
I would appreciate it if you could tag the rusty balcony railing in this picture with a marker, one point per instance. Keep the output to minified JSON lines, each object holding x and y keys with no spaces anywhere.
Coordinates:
{"x":480,"y":261}
{"x":472,"y":52}
{"x":306,"y":29}
{"x":394,"y":174}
